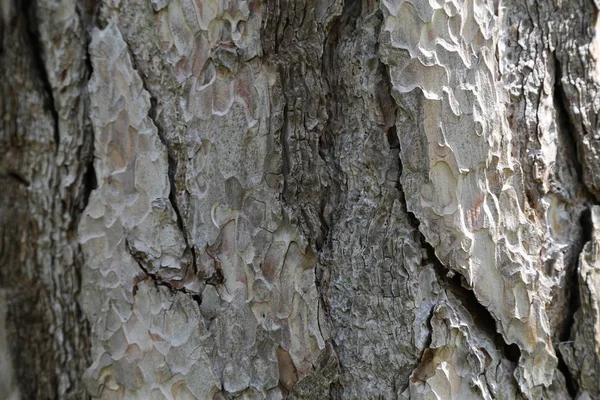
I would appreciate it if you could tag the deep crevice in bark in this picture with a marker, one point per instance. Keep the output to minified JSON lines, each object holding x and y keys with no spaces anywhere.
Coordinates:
{"x":456,"y":283}
{"x":570,"y":383}
{"x":90,"y":182}
{"x":564,"y":118}
{"x":572,"y":282}
{"x":171,"y":175}
{"x":566,"y":126}
{"x":28,"y":10}
{"x":87,"y":19}
{"x":20,"y":179}
{"x":171,"y":172}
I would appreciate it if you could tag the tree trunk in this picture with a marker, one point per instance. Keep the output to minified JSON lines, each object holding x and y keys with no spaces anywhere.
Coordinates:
{"x":213,"y":199}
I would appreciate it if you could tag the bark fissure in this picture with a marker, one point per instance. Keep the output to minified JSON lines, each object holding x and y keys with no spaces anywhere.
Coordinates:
{"x":564,"y":119}
{"x":171,"y":163}
{"x":28,"y":8}
{"x":89,"y":180}
{"x":456,"y":283}
{"x":156,"y":279}
{"x":572,"y":282}
{"x":18,"y":178}
{"x":566,"y":127}
{"x":570,"y":383}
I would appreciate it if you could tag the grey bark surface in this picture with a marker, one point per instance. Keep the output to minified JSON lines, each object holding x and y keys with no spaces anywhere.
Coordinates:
{"x":359,"y":199}
{"x":45,"y":142}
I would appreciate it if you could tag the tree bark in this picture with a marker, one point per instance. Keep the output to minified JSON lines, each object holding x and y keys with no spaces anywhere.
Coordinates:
{"x":346,"y":199}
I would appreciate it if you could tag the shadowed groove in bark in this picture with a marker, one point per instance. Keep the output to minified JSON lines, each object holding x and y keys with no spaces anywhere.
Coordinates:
{"x":455,"y":282}
{"x":570,"y":383}
{"x":566,"y":127}
{"x":18,"y":178}
{"x":171,"y":175}
{"x":28,"y":8}
{"x":338,"y":28}
{"x":90,"y":181}
{"x":572,"y":281}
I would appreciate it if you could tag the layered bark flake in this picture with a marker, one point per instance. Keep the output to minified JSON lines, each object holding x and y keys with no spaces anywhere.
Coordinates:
{"x":462,"y":170}
{"x":254,"y":331}
{"x":304,"y":199}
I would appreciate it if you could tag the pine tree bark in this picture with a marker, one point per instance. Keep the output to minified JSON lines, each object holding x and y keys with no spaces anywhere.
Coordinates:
{"x":346,"y":199}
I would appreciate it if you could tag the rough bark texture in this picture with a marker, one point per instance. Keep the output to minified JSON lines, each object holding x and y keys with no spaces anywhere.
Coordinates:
{"x":45,"y":142}
{"x":309,"y":199}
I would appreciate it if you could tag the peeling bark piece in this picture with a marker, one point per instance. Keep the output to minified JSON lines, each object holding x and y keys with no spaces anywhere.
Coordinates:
{"x":130,"y":215}
{"x":232,"y":220}
{"x":462,"y":361}
{"x":458,"y":172}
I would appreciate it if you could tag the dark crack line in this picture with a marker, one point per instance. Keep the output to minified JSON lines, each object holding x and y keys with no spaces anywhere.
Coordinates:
{"x":172,"y":168}
{"x":566,"y":124}
{"x":157,"y":280}
{"x":172,"y":171}
{"x":572,"y":282}
{"x":564,"y":118}
{"x":17,"y":177}
{"x":89,"y":180}
{"x":171,"y":161}
{"x":29,"y":12}
{"x":570,"y":383}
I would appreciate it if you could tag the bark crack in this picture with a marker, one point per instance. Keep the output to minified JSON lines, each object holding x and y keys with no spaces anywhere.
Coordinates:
{"x":566,"y":126}
{"x":156,"y":279}
{"x":16,"y":176}
{"x":29,"y":13}
{"x":171,"y":161}
{"x":568,"y":123}
{"x":564,"y":118}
